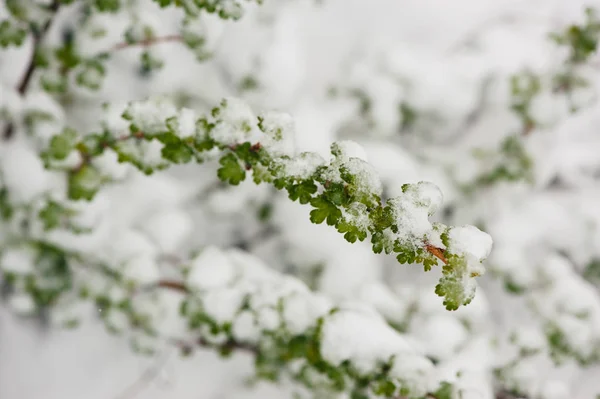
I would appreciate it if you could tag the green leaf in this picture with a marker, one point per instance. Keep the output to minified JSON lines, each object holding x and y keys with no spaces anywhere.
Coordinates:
{"x":51,"y":215}
{"x":163,"y":3}
{"x":11,"y":34}
{"x":84,"y":183}
{"x":177,"y":152}
{"x":352,"y":233}
{"x":385,"y":389}
{"x":62,"y":144}
{"x":302,"y":191}
{"x":231,"y":171}
{"x":6,"y":209}
{"x":324,"y":210}
{"x":107,"y":5}
{"x":445,"y":391}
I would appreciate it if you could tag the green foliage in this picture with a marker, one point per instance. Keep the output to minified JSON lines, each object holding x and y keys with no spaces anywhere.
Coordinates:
{"x":12,"y":34}
{"x":346,"y":204}
{"x":61,"y":145}
{"x":231,"y":171}
{"x":225,"y":9}
{"x":107,"y":5}
{"x":582,"y":40}
{"x":445,"y":391}
{"x":324,"y":211}
{"x":6,"y":209}
{"x":302,"y":192}
{"x":451,"y":285}
{"x":524,"y":88}
{"x":84,"y":183}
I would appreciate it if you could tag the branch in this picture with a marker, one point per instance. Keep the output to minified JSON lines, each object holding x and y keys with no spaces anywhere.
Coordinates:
{"x":344,"y":192}
{"x":173,"y":285}
{"x":147,"y":42}
{"x":38,"y":37}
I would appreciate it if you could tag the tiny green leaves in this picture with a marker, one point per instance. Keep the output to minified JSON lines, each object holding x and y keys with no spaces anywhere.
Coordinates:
{"x":344,"y":193}
{"x":351,"y":232}
{"x":177,"y":152}
{"x":12,"y":33}
{"x":107,"y":5}
{"x":303,"y":191}
{"x":62,"y":144}
{"x":324,"y":211}
{"x":84,"y":183}
{"x":231,"y":171}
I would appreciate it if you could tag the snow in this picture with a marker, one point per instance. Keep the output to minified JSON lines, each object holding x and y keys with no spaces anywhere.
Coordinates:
{"x":142,"y":269}
{"x":301,"y":166}
{"x":268,"y":319}
{"x":150,"y":116}
{"x":108,"y":165}
{"x":18,"y":261}
{"x":128,"y":244}
{"x":222,"y":304}
{"x":363,"y":340}
{"x":366,"y":179}
{"x":347,"y":149}
{"x":410,"y":216}
{"x":469,"y":240}
{"x":212,"y":268}
{"x":22,"y":304}
{"x":280,"y":131}
{"x":169,"y":229}
{"x":23,"y":172}
{"x":301,"y":311}
{"x":187,"y":123}
{"x":235,"y":122}
{"x":431,"y":54}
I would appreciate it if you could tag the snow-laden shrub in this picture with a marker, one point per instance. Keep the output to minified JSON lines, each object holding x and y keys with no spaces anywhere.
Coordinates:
{"x":147,"y":172}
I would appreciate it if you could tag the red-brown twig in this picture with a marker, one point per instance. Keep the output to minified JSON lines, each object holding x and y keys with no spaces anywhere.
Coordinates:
{"x":38,"y":37}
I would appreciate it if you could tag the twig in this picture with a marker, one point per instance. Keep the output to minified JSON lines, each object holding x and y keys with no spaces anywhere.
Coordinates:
{"x":38,"y":37}
{"x":147,"y":42}
{"x":173,"y":285}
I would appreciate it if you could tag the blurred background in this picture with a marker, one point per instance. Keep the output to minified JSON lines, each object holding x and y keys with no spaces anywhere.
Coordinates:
{"x":488,"y":99}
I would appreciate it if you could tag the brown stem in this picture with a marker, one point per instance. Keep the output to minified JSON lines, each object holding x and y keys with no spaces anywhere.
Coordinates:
{"x":173,"y":285}
{"x":437,"y":252}
{"x":38,"y":37}
{"x":148,"y":42}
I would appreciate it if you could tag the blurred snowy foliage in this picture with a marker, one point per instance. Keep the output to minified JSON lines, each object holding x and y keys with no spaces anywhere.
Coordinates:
{"x":107,"y":220}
